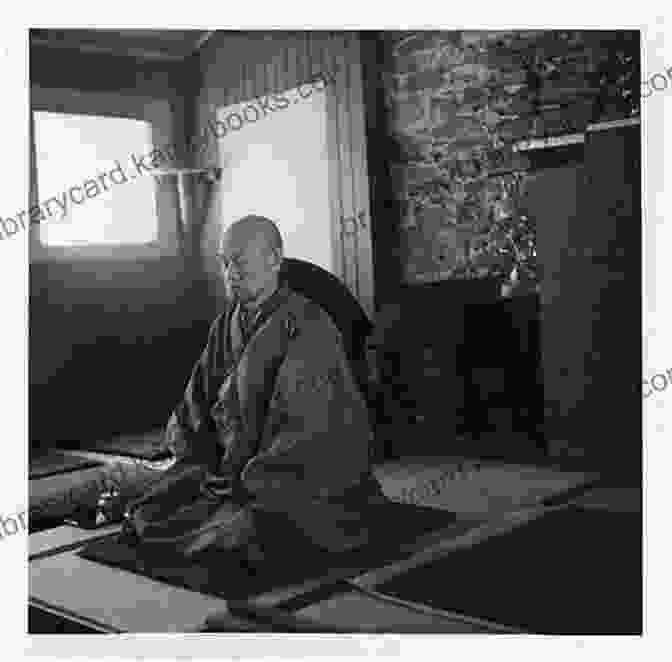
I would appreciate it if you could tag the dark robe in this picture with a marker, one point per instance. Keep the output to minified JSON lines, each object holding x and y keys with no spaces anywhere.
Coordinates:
{"x":272,"y":430}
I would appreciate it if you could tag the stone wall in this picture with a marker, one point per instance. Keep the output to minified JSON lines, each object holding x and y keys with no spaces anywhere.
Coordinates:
{"x":458,"y":102}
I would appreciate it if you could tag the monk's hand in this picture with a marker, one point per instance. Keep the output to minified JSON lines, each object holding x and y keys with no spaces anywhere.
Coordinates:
{"x":233,"y":531}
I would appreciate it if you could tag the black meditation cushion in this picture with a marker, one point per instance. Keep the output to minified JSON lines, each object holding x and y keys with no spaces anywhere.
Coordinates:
{"x":331,"y":294}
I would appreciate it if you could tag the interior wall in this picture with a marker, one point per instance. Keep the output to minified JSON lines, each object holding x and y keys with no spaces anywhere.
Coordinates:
{"x":562,"y":364}
{"x":590,"y":247}
{"x":111,"y":342}
{"x":447,"y":93}
{"x":606,"y":295}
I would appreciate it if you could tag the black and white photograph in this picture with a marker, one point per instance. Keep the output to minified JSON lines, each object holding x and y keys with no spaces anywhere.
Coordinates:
{"x":335,"y":331}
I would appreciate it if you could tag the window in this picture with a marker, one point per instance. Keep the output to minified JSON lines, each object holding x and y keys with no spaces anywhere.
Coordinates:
{"x":275,"y":174}
{"x":82,"y":160}
{"x":95,"y":201}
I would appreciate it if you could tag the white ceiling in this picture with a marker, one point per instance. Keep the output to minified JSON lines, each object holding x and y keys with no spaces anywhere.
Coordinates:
{"x":145,"y":44}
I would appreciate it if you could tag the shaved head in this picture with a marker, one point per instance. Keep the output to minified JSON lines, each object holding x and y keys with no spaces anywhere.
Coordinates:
{"x":255,"y":228}
{"x":250,"y":253}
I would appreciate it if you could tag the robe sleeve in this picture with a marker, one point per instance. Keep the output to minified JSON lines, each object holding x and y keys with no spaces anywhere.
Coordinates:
{"x":317,"y":432}
{"x":189,"y":429}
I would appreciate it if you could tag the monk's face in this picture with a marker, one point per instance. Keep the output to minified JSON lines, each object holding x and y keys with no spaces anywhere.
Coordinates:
{"x":248,"y":264}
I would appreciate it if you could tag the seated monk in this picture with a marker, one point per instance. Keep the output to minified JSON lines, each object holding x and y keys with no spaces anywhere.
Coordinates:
{"x":272,"y":437}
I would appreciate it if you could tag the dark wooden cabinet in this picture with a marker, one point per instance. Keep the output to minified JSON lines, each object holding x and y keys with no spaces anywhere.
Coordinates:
{"x":590,"y":248}
{"x":457,"y":363}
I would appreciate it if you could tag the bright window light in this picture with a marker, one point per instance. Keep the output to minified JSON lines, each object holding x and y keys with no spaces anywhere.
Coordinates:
{"x":295,"y":172}
{"x":75,"y":156}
